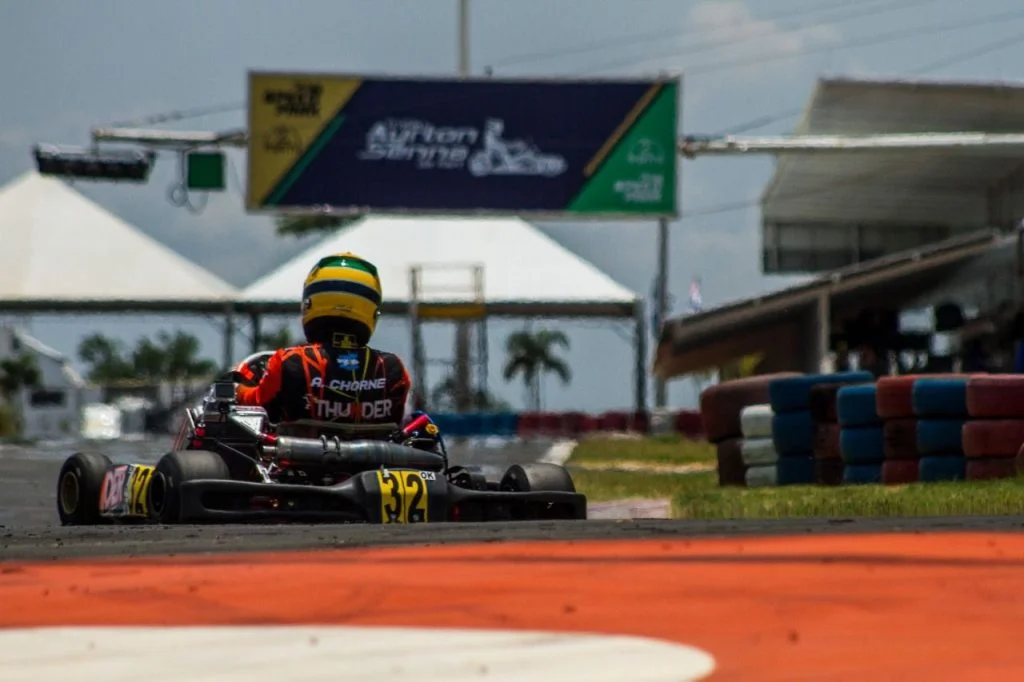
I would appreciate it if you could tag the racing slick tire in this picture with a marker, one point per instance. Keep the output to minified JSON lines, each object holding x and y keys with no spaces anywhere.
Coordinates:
{"x":537,"y":477}
{"x":175,"y":468}
{"x":78,"y":488}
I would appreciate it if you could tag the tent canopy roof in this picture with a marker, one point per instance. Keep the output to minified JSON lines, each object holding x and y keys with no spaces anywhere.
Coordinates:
{"x":521,"y":267}
{"x":63,"y":251}
{"x":939,"y":188}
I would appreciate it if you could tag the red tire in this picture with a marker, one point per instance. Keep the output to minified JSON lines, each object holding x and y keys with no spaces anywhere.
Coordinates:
{"x":721,"y":404}
{"x":899,"y":471}
{"x":993,"y":437}
{"x":894,"y":395}
{"x":826,"y":442}
{"x":731,"y":469}
{"x":996,"y":396}
{"x":988,"y":468}
{"x":828,"y":471}
{"x":900,"y":439}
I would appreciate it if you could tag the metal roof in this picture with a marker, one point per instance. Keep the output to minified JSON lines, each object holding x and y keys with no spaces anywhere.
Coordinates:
{"x":947,"y":188}
{"x":697,"y":342}
{"x":62,"y":251}
{"x":524,"y":271}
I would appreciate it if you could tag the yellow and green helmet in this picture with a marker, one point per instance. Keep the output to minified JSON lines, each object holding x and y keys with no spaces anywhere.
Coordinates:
{"x":342,"y":291}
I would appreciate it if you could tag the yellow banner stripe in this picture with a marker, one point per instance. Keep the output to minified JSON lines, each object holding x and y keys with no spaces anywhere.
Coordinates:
{"x":622,"y":129}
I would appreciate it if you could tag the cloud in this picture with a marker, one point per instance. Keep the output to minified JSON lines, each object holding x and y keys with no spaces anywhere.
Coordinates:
{"x":737,"y":34}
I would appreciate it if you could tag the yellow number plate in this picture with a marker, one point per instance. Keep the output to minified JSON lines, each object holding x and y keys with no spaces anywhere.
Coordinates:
{"x":138,"y":493}
{"x":403,"y":496}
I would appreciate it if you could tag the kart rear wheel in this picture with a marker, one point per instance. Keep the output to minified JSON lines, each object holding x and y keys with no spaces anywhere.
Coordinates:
{"x":537,"y":477}
{"x":175,"y":468}
{"x":78,"y":488}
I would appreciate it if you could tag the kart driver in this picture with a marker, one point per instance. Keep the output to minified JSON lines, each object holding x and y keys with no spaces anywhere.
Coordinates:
{"x":335,"y":376}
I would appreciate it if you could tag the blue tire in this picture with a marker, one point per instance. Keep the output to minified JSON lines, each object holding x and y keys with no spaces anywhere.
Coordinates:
{"x":793,"y":394}
{"x":862,"y":445}
{"x":939,"y":397}
{"x":795,"y":471}
{"x":855,"y":405}
{"x":942,"y":468}
{"x":940,"y":436}
{"x":793,"y":433}
{"x":862,"y":474}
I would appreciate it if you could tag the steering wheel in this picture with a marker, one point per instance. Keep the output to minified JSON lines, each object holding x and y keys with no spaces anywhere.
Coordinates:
{"x":257,"y":362}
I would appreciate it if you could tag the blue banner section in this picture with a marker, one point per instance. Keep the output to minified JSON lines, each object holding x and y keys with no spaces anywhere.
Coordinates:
{"x":479,"y":146}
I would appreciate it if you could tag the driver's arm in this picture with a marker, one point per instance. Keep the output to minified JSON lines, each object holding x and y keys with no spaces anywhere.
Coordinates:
{"x":268,"y":387}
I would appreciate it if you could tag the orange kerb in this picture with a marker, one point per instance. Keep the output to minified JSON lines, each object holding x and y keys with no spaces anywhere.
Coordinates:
{"x":935,"y":607}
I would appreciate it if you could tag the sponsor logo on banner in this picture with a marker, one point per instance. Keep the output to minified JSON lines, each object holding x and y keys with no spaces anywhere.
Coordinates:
{"x":302,"y":99}
{"x":648,"y":188}
{"x":646,"y":152}
{"x":482,"y":152}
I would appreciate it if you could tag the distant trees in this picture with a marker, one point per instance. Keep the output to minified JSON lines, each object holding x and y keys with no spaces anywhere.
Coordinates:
{"x":532,"y":355}
{"x":302,"y":225}
{"x":170,"y":357}
{"x":16,"y":373}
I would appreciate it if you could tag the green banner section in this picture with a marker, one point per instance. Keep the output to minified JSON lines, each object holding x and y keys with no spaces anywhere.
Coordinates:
{"x":639,"y":174}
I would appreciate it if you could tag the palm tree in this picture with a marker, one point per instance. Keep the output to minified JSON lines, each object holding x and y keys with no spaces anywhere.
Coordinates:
{"x":532,"y":356}
{"x":106,"y":359}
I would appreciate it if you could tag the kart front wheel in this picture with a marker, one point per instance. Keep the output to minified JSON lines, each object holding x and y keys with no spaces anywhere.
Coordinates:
{"x":175,"y":468}
{"x":78,"y":488}
{"x":537,"y":477}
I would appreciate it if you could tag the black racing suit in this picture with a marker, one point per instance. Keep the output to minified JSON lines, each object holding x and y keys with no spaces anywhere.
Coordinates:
{"x":326,"y":384}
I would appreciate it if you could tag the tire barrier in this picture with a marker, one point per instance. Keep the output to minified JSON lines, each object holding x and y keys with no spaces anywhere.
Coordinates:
{"x":945,"y":397}
{"x":826,"y":442}
{"x":844,"y":428}
{"x":940,"y":437}
{"x":721,"y":404}
{"x":990,"y":468}
{"x":855,"y":406}
{"x":756,"y":421}
{"x":792,"y":394}
{"x":862,"y":474}
{"x":795,"y":470}
{"x":937,"y":468}
{"x":996,"y":397}
{"x":900,"y":471}
{"x":759,"y":452}
{"x":828,"y":471}
{"x":731,"y":470}
{"x":762,"y":476}
{"x":900,"y":439}
{"x":862,"y":445}
{"x":793,"y":434}
{"x":994,"y":434}
{"x":993,"y":437}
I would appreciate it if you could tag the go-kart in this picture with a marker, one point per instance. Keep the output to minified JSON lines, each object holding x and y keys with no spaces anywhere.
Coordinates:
{"x":230,"y":464}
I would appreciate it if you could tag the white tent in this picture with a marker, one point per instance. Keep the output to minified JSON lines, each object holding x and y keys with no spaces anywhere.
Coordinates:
{"x":524,"y":271}
{"x":62,"y":252}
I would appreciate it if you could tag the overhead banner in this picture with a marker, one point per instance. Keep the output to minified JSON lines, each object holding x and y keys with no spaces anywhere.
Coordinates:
{"x":593,"y":148}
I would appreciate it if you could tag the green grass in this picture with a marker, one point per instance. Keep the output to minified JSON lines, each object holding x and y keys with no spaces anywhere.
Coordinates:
{"x":698,"y":495}
{"x":664,"y":450}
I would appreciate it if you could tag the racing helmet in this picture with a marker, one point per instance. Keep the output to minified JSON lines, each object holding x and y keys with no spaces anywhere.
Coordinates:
{"x":341,"y":300}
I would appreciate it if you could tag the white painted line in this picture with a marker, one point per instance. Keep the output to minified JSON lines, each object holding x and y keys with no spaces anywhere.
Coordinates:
{"x":559,"y":452}
{"x":313,"y":653}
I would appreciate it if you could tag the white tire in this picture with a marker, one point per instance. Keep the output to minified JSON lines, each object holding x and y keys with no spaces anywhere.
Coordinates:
{"x":762,"y":477}
{"x":756,"y":421}
{"x":759,"y":452}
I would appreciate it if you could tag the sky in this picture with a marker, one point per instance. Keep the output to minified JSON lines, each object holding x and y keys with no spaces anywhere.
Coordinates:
{"x":748,"y":67}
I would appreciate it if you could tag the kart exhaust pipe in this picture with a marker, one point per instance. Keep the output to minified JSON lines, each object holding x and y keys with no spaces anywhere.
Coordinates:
{"x":333,"y":452}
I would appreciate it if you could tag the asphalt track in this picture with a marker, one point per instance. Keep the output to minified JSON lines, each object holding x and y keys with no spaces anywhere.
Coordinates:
{"x":29,"y":529}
